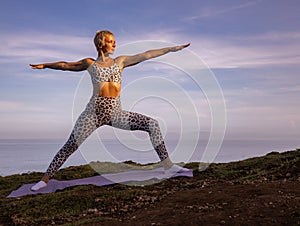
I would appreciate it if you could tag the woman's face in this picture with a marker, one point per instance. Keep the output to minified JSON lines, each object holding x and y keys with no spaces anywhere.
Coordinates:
{"x":110,"y":44}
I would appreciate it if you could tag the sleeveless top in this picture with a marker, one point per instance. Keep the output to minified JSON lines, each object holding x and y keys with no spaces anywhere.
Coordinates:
{"x":104,"y":74}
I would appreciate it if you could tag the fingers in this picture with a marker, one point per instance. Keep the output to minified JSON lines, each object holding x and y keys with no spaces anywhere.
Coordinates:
{"x":183,"y":46}
{"x":186,"y":45}
{"x":36,"y":66}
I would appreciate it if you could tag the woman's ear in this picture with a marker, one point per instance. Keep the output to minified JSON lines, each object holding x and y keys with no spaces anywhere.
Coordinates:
{"x":99,"y":47}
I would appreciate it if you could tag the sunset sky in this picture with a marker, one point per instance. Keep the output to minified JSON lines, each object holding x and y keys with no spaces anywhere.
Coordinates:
{"x":252,"y":49}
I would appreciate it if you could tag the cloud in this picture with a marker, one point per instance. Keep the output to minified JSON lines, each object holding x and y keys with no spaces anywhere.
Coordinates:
{"x":253,"y":51}
{"x":271,"y":36}
{"x":294,"y":88}
{"x":10,"y":106}
{"x":38,"y":46}
{"x":218,"y":52}
{"x":277,"y":121}
{"x":29,"y":120}
{"x":228,"y":54}
{"x":261,"y":114}
{"x":214,"y":11}
{"x":236,"y":51}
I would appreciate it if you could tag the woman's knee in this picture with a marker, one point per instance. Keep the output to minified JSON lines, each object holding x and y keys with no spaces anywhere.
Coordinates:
{"x":154,"y":123}
{"x":153,"y":127}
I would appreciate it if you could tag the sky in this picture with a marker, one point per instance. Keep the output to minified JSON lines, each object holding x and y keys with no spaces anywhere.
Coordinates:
{"x":250,"y":48}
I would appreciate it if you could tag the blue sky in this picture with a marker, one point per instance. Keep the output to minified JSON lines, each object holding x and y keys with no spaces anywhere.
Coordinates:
{"x":252,"y":48}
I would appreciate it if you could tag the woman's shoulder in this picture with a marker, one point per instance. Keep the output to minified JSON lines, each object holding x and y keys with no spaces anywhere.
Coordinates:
{"x":89,"y":60}
{"x":119,"y":61}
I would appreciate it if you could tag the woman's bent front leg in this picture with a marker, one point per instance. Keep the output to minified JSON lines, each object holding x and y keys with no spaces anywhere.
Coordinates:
{"x":135,"y":121}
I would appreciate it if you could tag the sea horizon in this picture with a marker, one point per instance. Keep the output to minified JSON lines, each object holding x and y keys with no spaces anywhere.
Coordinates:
{"x":19,"y":156}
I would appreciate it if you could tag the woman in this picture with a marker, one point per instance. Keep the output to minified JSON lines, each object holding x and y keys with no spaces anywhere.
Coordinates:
{"x":104,"y":107}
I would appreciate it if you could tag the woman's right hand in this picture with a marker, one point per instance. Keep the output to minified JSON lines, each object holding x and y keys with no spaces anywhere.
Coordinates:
{"x":37,"y":66}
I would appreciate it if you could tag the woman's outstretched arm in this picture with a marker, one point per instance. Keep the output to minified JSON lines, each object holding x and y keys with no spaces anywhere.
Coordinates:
{"x":65,"y":66}
{"x":135,"y":59}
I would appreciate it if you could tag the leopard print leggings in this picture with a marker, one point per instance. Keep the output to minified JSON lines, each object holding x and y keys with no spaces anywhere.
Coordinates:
{"x":107,"y":111}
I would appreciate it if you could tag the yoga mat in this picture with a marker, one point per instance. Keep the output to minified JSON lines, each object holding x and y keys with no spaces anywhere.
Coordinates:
{"x":101,"y":180}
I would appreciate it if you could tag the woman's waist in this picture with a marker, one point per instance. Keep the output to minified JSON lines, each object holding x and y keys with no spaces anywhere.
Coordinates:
{"x":100,"y":103}
{"x":107,"y":89}
{"x":104,"y":98}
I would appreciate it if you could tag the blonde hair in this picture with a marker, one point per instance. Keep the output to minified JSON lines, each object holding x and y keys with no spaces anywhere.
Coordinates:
{"x":99,"y":38}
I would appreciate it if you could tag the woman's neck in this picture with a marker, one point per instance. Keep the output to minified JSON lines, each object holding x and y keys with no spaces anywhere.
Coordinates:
{"x":103,"y":57}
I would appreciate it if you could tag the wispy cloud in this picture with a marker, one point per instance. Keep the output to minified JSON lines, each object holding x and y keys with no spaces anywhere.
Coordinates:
{"x":273,"y":36}
{"x":217,"y":52}
{"x":214,"y":11}
{"x":275,"y":120}
{"x":14,"y":106}
{"x":295,"y":88}
{"x":263,"y":49}
{"x":225,"y":53}
{"x":32,"y":46}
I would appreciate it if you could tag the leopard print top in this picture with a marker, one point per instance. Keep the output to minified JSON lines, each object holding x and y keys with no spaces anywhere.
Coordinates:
{"x":104,"y":74}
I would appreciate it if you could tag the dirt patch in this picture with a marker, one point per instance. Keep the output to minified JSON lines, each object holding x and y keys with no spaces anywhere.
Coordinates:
{"x":271,"y":203}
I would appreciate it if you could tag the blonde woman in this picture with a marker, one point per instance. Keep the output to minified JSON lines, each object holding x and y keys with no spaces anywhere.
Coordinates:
{"x":104,"y":107}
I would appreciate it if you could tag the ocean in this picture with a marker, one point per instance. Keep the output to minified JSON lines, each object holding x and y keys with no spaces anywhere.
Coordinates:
{"x":19,"y":156}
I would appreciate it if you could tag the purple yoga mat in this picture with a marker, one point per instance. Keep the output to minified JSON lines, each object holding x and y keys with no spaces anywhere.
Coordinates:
{"x":101,"y":180}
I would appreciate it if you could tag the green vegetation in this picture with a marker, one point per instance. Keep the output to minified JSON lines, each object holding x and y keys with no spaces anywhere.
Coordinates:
{"x":84,"y":205}
{"x":273,"y":166}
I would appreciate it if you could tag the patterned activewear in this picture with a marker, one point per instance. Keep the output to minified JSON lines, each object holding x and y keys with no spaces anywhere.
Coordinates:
{"x":106,"y":111}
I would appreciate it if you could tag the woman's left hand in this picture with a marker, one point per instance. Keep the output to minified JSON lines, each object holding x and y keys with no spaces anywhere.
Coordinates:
{"x":177,"y":48}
